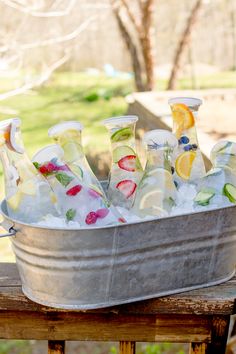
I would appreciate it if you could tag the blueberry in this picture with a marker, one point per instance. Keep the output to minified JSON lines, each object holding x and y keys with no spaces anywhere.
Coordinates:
{"x":188,"y":147}
{"x":184,"y":140}
{"x":172,"y":170}
{"x":194,"y":146}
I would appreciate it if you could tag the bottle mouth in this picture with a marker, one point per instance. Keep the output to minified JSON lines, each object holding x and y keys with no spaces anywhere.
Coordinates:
{"x":48,"y":153}
{"x":59,"y":128}
{"x":160,"y":138}
{"x":16,"y":122}
{"x":120,"y":120}
{"x":191,"y":102}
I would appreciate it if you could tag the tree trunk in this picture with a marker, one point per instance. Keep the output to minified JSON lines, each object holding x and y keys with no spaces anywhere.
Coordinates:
{"x":130,"y":44}
{"x":183,"y":44}
{"x":146,"y":40}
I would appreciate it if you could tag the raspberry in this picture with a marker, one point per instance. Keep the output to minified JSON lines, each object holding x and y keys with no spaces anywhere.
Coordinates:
{"x":102,"y":213}
{"x":91,"y":218}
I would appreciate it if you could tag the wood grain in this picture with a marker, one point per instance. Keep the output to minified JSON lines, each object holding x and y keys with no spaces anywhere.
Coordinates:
{"x":127,"y":348}
{"x":220,"y":299}
{"x":219,"y":334}
{"x":104,"y":327}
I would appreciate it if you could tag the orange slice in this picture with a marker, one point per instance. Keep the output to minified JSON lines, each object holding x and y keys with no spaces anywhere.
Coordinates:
{"x":182,"y":117}
{"x":184,"y":164}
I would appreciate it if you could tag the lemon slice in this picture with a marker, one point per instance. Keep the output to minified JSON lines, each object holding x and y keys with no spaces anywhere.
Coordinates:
{"x":184,"y":164}
{"x":163,"y":175}
{"x":182,"y":117}
{"x":151,"y":199}
{"x":14,"y":201}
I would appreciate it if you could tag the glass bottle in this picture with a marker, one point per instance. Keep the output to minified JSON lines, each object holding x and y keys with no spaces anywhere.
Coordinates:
{"x":218,"y":187}
{"x":189,"y":164}
{"x":156,"y":193}
{"x":126,"y":170}
{"x":68,"y":136}
{"x":28,"y":195}
{"x":78,"y":201}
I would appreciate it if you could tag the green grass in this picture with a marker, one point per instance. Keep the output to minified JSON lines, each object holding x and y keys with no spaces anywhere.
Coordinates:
{"x":68,"y":96}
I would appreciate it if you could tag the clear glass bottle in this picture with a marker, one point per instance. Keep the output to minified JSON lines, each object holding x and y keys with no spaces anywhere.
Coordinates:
{"x":189,"y":164}
{"x":126,"y":170}
{"x":80,"y":202}
{"x":218,"y":187}
{"x":68,"y":135}
{"x":156,"y":193}
{"x":28,"y":195}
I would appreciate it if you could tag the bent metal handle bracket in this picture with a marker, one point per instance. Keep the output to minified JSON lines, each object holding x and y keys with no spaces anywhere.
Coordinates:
{"x":6,"y":225}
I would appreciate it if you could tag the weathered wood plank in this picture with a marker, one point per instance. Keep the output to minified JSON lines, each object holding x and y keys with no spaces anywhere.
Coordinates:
{"x":56,"y":347}
{"x":9,"y":275}
{"x":127,"y":347}
{"x":220,"y":299}
{"x":104,"y":327}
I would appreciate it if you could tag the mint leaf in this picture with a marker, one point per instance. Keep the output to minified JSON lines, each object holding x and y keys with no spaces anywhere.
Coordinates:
{"x":63,"y":178}
{"x":36,"y":164}
{"x":70,"y":214}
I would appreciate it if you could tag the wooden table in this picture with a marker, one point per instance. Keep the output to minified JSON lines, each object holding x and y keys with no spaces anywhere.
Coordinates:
{"x":199,"y":317}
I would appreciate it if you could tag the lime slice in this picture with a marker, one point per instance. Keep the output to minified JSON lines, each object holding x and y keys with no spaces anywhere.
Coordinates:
{"x":122,"y":151}
{"x":72,"y":151}
{"x":77,"y":170}
{"x":122,"y":134}
{"x":204,"y":196}
{"x":14,"y":201}
{"x":229,"y":191}
{"x":151,"y":199}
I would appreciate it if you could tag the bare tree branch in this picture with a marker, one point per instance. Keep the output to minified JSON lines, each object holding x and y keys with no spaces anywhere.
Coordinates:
{"x":133,"y":19}
{"x":39,"y":81}
{"x":183,"y":44}
{"x":30,"y":11}
{"x":51,"y":41}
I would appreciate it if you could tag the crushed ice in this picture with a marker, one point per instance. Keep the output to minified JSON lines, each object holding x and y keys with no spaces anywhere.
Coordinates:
{"x":184,"y":205}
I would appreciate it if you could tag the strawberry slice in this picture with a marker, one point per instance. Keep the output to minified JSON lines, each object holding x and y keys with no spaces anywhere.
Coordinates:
{"x":74,"y":190}
{"x":127,"y":187}
{"x":128,"y":163}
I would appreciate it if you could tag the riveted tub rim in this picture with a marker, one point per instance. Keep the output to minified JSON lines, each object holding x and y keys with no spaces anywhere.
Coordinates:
{"x":111,"y":227}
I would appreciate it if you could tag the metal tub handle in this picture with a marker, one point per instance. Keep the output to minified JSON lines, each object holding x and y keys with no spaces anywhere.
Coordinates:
{"x":6,"y":225}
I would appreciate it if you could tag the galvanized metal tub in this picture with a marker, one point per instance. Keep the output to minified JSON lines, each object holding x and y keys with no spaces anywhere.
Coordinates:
{"x":100,"y":267}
